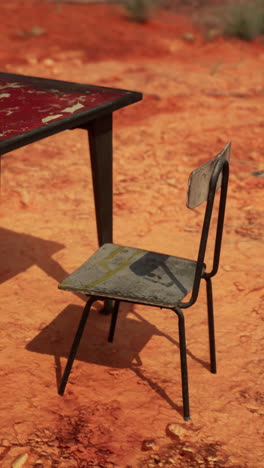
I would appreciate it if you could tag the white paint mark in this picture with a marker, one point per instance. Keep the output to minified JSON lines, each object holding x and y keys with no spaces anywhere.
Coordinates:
{"x":5,"y":132}
{"x":9,"y":111}
{"x":73,"y":108}
{"x":11,"y":85}
{"x":4,"y":95}
{"x":49,"y":109}
{"x":51,"y":117}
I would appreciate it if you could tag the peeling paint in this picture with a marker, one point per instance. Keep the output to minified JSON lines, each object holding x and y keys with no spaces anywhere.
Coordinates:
{"x":5,"y":132}
{"x":11,"y":85}
{"x":73,"y":108}
{"x":9,"y":111}
{"x":51,"y":117}
{"x":33,"y":103}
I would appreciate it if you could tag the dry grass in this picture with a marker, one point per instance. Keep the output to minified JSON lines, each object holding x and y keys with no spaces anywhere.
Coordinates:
{"x":244,"y":20}
{"x":140,"y":10}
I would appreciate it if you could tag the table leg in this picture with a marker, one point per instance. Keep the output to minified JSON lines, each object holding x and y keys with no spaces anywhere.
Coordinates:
{"x":0,"y":171}
{"x":101,"y":153}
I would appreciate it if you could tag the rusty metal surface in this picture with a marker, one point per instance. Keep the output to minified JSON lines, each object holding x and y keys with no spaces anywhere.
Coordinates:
{"x":199,"y":179}
{"x":134,"y":275}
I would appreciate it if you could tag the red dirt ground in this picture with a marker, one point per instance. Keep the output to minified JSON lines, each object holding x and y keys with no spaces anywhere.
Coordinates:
{"x":197,"y":96}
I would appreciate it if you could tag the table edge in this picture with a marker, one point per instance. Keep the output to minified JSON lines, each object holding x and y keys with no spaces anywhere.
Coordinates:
{"x":68,"y":122}
{"x":52,"y":82}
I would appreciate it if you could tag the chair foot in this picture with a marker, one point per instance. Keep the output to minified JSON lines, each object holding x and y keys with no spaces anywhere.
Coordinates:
{"x":75,"y":345}
{"x":184,"y":370}
{"x":210,"y":311}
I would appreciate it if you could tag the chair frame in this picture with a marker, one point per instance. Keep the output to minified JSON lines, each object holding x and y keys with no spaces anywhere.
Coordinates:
{"x":221,"y":167}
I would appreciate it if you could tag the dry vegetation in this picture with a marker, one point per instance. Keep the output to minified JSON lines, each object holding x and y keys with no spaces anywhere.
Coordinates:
{"x":243,"y":18}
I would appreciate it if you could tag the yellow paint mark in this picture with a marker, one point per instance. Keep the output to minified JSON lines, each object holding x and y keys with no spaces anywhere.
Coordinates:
{"x":115,"y":252}
{"x":118,"y":268}
{"x":103,"y":263}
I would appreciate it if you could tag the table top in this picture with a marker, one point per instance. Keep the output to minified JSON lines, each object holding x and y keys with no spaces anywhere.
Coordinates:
{"x":33,"y":108}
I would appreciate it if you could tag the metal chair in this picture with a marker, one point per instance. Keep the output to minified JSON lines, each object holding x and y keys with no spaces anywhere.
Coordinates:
{"x":134,"y":275}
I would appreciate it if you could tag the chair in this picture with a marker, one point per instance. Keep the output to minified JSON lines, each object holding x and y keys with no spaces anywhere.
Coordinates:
{"x":128,"y":274}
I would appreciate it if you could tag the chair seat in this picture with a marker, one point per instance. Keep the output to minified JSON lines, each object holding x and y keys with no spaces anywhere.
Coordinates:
{"x":133,"y":275}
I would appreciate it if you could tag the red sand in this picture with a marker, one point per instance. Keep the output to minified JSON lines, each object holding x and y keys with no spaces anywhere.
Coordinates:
{"x":197,"y":96}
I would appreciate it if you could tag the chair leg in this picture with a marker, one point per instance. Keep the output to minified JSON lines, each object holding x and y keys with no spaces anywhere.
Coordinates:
{"x":113,"y":322}
{"x":210,"y":310}
{"x":75,"y":345}
{"x":184,"y":370}
{"x":107,"y":308}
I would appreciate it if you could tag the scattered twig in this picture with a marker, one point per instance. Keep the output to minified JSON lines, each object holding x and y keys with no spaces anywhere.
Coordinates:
{"x":86,"y":1}
{"x":225,"y":94}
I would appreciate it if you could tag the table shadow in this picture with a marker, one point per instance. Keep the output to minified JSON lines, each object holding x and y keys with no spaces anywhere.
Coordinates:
{"x":20,"y":251}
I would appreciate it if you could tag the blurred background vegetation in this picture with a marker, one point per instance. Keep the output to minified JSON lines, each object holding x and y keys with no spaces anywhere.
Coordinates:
{"x":243,"y":19}
{"x":238,"y":18}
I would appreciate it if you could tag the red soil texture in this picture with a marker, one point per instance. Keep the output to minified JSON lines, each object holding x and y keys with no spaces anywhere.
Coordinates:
{"x":198,"y":95}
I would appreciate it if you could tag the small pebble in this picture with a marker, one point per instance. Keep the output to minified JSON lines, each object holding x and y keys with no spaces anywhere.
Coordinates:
{"x":188,"y":36}
{"x":239,"y":286}
{"x":148,"y":445}
{"x":174,"y":431}
{"x":20,"y":461}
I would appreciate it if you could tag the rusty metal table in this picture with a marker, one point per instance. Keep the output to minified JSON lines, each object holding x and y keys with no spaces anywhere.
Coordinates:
{"x":33,"y":108}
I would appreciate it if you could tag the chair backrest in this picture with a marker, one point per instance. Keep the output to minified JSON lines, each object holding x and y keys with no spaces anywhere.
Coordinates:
{"x":202,"y":186}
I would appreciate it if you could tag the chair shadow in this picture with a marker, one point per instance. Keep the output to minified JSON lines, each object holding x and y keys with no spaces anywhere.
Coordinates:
{"x":19,"y":252}
{"x":203,"y":363}
{"x":151,"y":266}
{"x":56,"y":338}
